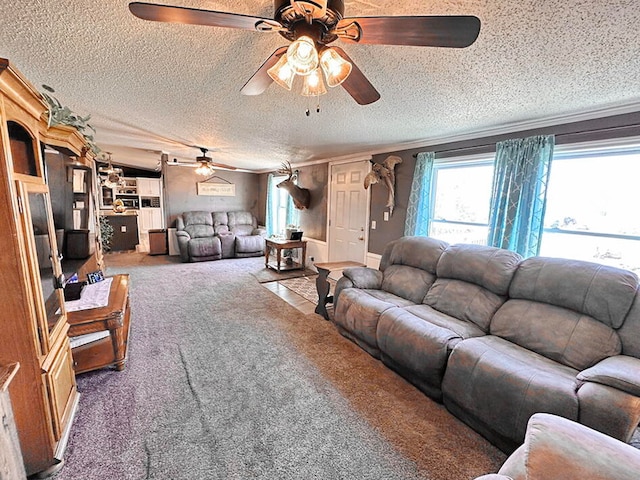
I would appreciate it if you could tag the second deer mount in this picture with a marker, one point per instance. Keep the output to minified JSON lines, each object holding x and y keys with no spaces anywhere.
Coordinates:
{"x":301,"y":196}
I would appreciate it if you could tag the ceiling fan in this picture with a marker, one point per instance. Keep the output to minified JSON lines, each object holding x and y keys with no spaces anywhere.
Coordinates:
{"x":311,"y":25}
{"x":204,"y":165}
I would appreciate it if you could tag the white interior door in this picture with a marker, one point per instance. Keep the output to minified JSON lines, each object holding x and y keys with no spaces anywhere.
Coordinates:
{"x":348,"y":215}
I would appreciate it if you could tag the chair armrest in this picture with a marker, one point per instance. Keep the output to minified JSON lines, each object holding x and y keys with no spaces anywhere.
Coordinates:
{"x":364,"y":277}
{"x":560,"y":448}
{"x":621,"y":372}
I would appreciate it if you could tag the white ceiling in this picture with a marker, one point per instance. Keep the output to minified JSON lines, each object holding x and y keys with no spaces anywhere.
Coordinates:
{"x":153,"y":87}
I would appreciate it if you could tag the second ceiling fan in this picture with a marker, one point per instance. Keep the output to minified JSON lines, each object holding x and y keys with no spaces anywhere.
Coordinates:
{"x":311,"y":26}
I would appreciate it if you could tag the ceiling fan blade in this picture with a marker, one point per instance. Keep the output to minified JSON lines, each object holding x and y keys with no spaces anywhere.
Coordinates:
{"x":261,"y":80}
{"x":456,"y":31}
{"x":194,"y":16}
{"x":357,"y":84}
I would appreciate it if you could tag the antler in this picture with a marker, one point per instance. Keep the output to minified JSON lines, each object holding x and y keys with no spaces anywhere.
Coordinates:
{"x":286,"y":169}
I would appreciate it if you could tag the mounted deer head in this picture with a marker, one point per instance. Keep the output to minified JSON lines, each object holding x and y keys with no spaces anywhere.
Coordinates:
{"x":301,"y":196}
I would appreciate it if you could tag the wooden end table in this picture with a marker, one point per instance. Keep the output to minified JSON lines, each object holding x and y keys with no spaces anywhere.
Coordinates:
{"x":322,"y":284}
{"x":115,"y":319}
{"x":278,"y":245}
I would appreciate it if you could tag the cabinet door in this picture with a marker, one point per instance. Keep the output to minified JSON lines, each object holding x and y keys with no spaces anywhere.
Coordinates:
{"x":45,"y":269}
{"x":60,"y":383}
{"x":156,"y":218}
{"x":148,"y":187}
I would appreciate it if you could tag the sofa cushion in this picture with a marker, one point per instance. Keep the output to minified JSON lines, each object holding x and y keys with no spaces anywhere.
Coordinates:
{"x":197,"y":218}
{"x":499,"y":385}
{"x":389,"y":297}
{"x":407,"y":282}
{"x":249,"y":244}
{"x":205,"y":247}
{"x":461,"y":328}
{"x":489,"y":267}
{"x":358,"y":313}
{"x":472,"y":282}
{"x":602,"y":292}
{"x":198,"y":224}
{"x":464,"y":300}
{"x":418,"y":346}
{"x":563,"y":335}
{"x":242,"y":218}
{"x":420,"y":252}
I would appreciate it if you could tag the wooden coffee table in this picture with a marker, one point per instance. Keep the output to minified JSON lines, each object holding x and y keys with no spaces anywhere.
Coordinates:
{"x":278,"y":245}
{"x":322,"y":284}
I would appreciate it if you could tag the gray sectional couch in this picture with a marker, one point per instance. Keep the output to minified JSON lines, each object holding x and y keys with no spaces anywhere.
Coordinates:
{"x":498,"y":338}
{"x":204,"y":236}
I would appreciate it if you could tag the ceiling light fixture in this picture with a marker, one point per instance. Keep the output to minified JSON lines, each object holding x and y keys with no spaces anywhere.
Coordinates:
{"x":205,"y":169}
{"x":111,"y":177}
{"x":336,"y":68}
{"x":302,"y":59}
{"x":313,"y":85}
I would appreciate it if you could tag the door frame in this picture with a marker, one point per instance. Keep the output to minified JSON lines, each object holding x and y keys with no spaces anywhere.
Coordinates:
{"x":367,"y":210}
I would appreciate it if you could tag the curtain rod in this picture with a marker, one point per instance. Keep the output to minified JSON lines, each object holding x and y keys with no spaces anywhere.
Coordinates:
{"x":560,"y":135}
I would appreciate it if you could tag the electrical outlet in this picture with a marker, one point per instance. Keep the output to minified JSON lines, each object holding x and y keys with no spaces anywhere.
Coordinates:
{"x":385,"y":216}
{"x":373,"y":225}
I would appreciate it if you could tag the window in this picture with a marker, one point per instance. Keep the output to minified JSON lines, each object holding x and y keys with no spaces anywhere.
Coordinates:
{"x":591,"y":211}
{"x":461,"y":199}
{"x":280,"y":209}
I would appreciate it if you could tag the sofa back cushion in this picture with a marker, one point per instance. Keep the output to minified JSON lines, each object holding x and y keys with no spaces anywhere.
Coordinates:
{"x":242,"y":223}
{"x":566,"y":310}
{"x":602,"y":292}
{"x":419,"y":252}
{"x":198,"y":224}
{"x":409,"y":266}
{"x":407,"y":282}
{"x":220,"y":222}
{"x":472,"y":282}
{"x":566,"y":336}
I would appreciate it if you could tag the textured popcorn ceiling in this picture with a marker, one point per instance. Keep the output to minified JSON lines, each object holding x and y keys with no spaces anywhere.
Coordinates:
{"x":154,"y":87}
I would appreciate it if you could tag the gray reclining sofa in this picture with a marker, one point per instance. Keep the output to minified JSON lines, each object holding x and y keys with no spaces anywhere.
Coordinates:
{"x":498,"y":338}
{"x":206,"y":236}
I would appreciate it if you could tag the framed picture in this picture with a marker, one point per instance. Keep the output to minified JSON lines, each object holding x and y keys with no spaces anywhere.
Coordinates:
{"x":217,"y":189}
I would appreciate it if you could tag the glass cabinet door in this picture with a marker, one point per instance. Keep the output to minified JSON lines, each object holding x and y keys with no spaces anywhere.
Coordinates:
{"x":43,"y":258}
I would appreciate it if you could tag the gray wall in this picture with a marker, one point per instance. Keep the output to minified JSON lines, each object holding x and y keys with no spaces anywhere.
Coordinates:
{"x":313,"y":221}
{"x":181,"y":194}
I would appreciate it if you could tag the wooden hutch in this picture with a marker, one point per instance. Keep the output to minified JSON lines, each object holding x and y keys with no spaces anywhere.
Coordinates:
{"x":33,"y":322}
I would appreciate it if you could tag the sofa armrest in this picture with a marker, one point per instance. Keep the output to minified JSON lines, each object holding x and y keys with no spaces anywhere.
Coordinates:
{"x":182,"y":233}
{"x":364,"y":277}
{"x":260,"y":230}
{"x":560,"y":448}
{"x":621,"y":372}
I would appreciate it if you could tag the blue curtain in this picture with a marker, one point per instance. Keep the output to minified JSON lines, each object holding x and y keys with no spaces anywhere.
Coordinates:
{"x":518,"y":198}
{"x":277,"y":217}
{"x":270,"y":217}
{"x":419,"y":207}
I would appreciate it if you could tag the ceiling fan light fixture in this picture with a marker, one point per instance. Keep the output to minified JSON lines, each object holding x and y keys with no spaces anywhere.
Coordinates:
{"x":302,"y":56}
{"x":282,"y":73}
{"x":336,"y":68}
{"x":205,"y":168}
{"x":313,"y":85}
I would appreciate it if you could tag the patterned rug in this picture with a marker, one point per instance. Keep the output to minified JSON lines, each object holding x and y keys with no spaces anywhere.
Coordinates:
{"x":305,"y":286}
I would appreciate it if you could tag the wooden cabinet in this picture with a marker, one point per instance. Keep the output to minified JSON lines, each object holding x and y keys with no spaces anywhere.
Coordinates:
{"x":33,"y":325}
{"x":148,"y":187}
